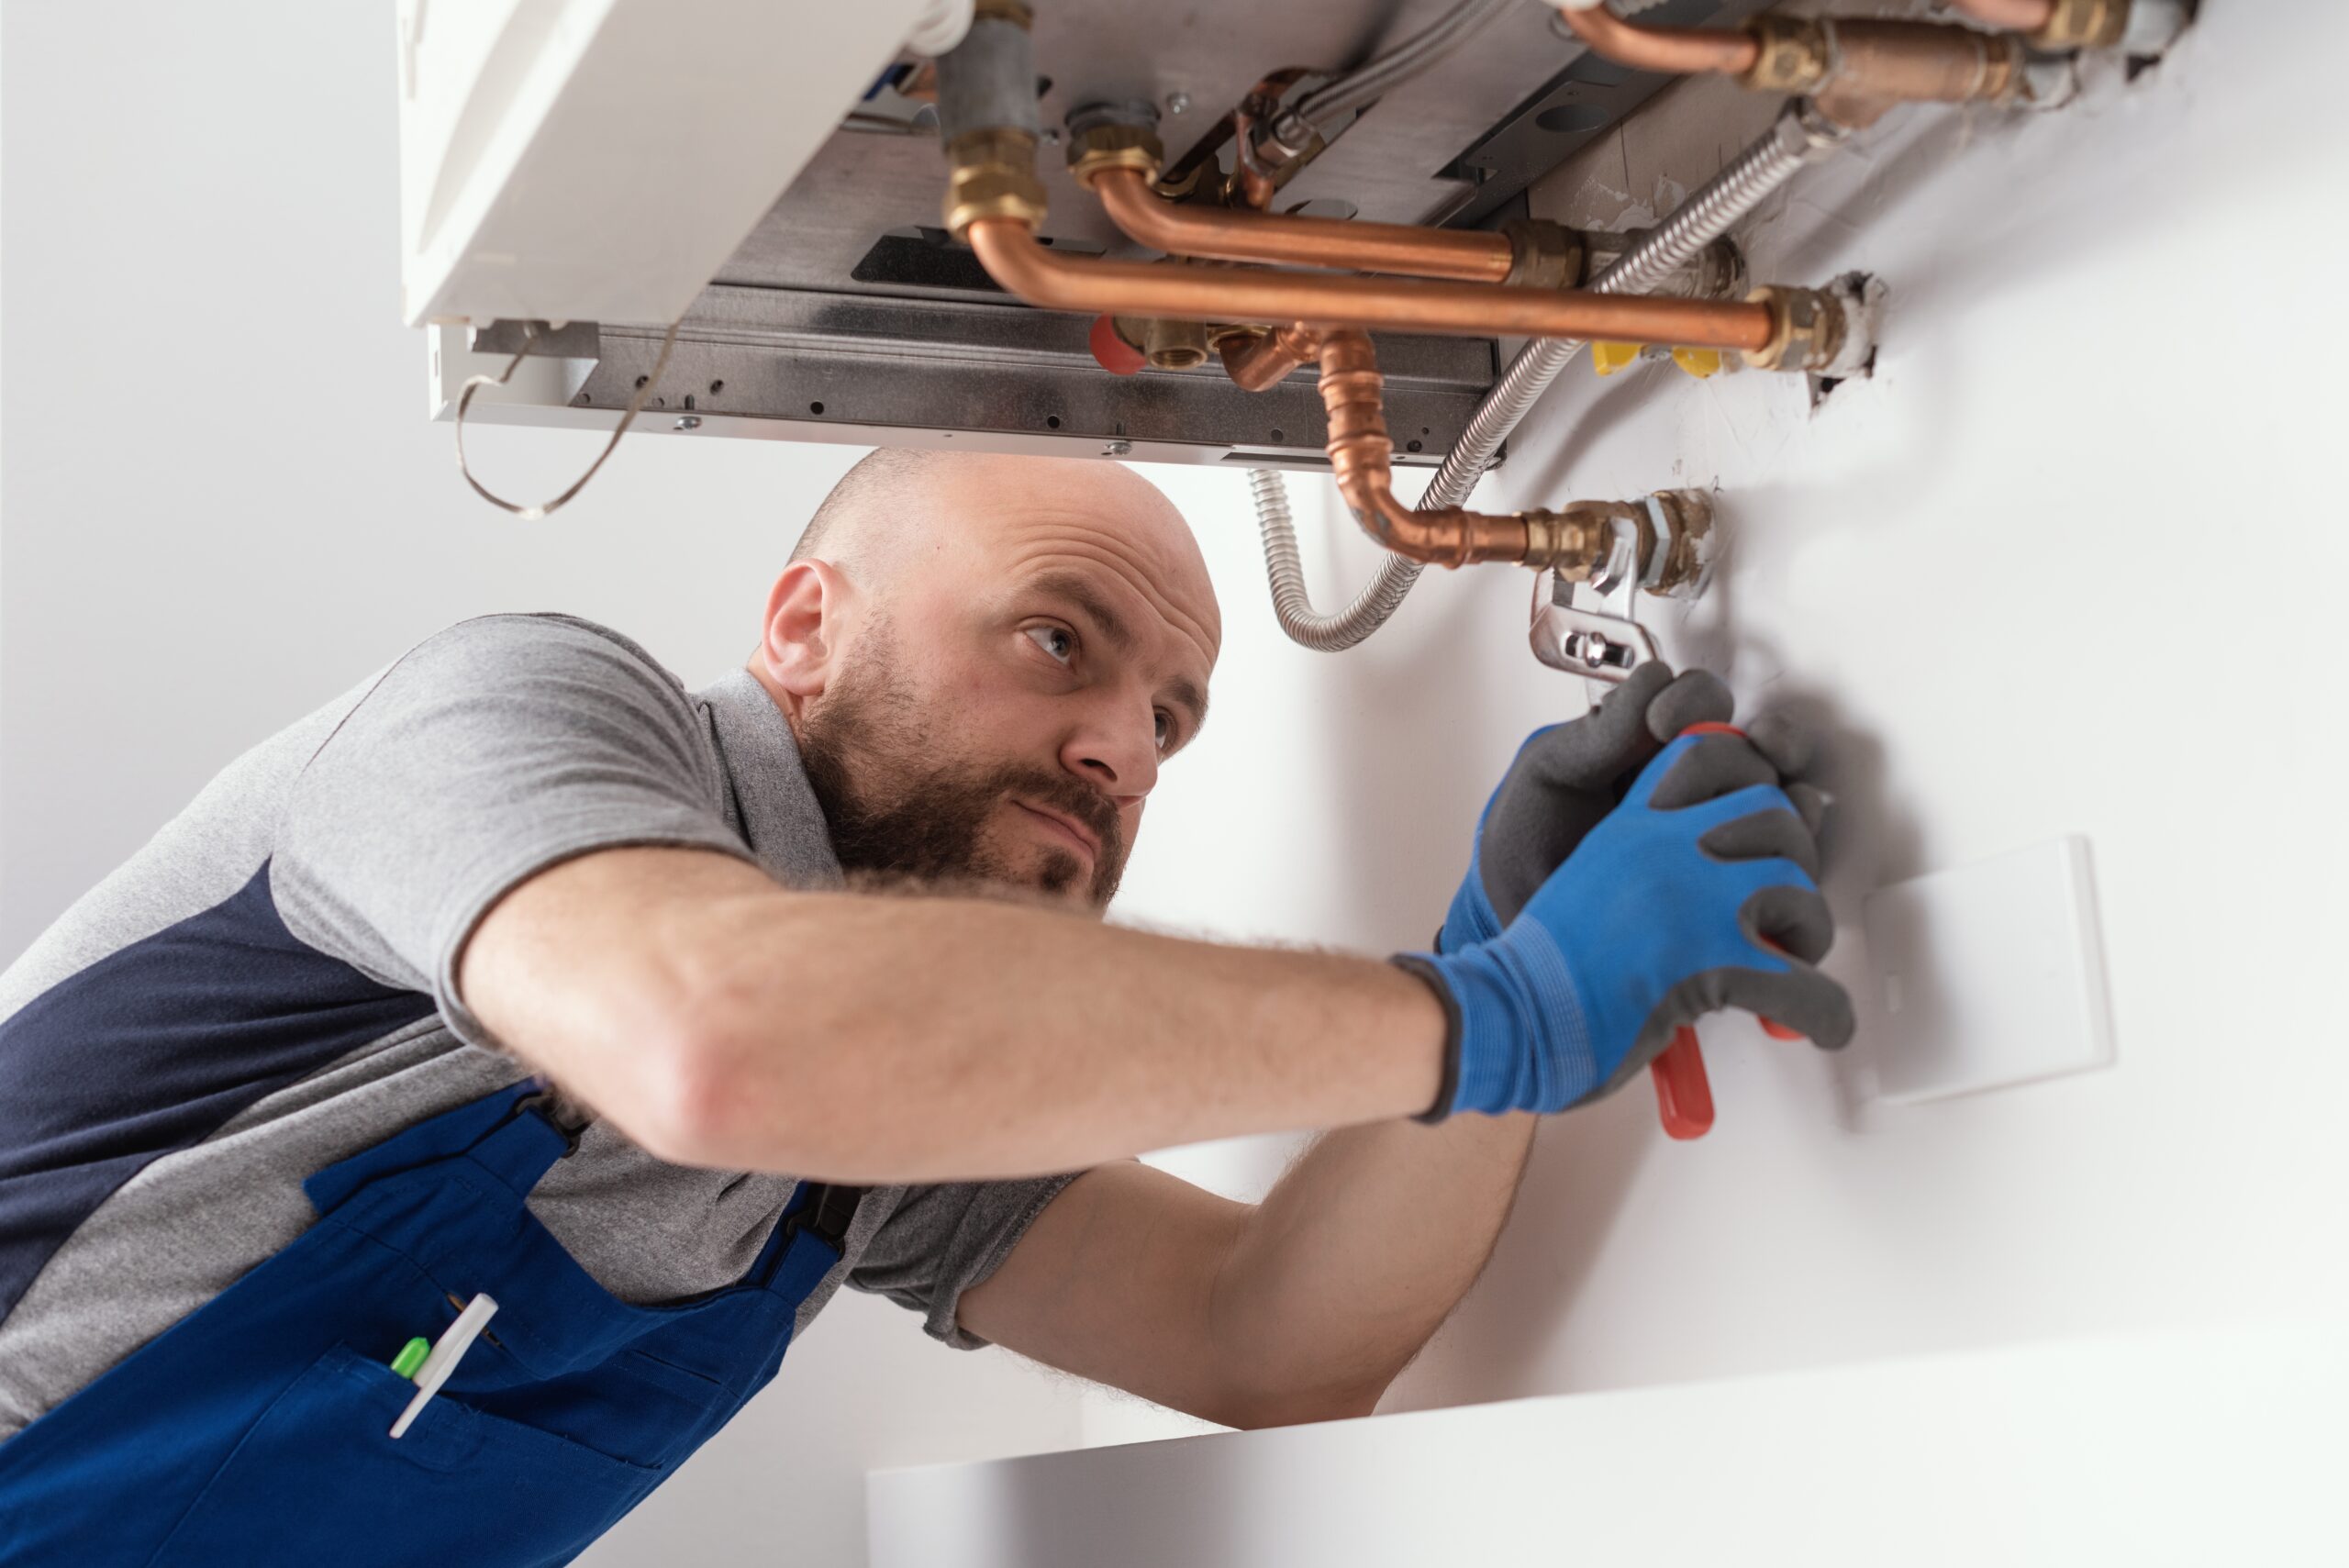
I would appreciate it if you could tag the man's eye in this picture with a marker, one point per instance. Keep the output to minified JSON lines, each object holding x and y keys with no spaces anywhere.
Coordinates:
{"x":1165,"y":729}
{"x":1056,"y":641}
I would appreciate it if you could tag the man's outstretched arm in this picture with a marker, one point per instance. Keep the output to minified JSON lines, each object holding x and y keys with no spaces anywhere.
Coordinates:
{"x":718,"y":1018}
{"x":1300,"y":1309}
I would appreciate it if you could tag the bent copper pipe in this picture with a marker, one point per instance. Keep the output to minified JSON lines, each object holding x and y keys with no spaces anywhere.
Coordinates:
{"x":1007,"y":248}
{"x":1264,"y":362}
{"x":1856,"y":68}
{"x":1362,"y":458}
{"x":1225,"y":234}
{"x":1682,"y":52}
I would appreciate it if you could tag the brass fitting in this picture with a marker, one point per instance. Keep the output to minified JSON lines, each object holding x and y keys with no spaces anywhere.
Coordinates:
{"x":1688,"y":547}
{"x":992,"y":173}
{"x":1103,"y":147}
{"x":1575,"y":543}
{"x":1544,"y":254}
{"x":1806,"y":329}
{"x":1239,"y":333}
{"x":1013,"y":11}
{"x":1173,"y":345}
{"x":1797,"y":55}
{"x":2082,"y":23}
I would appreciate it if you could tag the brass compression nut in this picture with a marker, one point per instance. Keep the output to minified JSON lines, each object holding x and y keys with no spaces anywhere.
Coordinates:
{"x":2082,"y":23}
{"x":1100,"y":148}
{"x":1687,"y":546}
{"x":1806,"y":329}
{"x":1173,"y":345}
{"x":1797,"y":55}
{"x":1574,"y":542}
{"x":992,"y":173}
{"x":1544,"y":254}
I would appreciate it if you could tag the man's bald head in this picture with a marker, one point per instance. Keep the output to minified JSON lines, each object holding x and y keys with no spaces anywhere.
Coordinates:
{"x":895,"y":500}
{"x":987,"y":659}
{"x":887,"y":481}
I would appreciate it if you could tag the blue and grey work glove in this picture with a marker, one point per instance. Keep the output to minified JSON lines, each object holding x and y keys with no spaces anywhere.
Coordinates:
{"x":1563,"y":780}
{"x":1694,"y":894}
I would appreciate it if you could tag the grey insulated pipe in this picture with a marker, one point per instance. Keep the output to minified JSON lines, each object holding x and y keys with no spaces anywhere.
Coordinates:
{"x":1374,"y":78}
{"x":1798,"y":138}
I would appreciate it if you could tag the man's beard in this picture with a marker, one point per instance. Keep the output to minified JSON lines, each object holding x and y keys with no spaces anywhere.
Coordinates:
{"x":913,"y":817}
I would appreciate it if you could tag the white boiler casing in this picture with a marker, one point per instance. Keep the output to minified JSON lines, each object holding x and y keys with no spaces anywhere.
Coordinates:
{"x":599,"y":159}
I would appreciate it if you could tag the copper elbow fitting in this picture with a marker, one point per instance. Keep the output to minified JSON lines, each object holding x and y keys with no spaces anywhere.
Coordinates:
{"x":1243,"y":234}
{"x":1576,"y":541}
{"x":1262,"y":362}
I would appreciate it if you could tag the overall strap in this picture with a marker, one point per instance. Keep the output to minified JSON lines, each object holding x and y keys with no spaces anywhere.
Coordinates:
{"x":809,"y":1239}
{"x":514,"y":1141}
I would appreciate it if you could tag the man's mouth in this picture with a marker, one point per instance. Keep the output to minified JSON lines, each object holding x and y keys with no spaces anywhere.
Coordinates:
{"x":1076,"y":832}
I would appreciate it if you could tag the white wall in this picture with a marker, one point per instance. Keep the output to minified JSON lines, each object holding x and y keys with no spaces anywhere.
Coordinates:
{"x":223,"y":504}
{"x":2061,"y":568}
{"x":2065,"y":565}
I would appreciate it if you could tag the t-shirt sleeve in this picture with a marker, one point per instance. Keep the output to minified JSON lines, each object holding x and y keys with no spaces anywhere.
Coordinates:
{"x":943,"y":1240}
{"x":486,"y":755}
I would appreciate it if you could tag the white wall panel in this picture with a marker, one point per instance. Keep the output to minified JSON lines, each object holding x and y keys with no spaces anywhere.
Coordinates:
{"x":2168,"y":1451}
{"x":2066,"y":566}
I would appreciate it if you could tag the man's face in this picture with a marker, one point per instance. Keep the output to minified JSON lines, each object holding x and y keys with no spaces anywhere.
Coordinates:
{"x":1002,"y":708}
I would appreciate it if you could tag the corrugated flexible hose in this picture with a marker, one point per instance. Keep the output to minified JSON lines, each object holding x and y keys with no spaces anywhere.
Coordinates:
{"x":1795,"y":138}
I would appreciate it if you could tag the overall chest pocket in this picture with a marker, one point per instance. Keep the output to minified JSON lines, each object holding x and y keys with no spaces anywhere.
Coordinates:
{"x":319,"y":1479}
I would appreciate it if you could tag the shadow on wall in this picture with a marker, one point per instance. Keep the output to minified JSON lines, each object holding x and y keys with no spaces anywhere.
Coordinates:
{"x":1502,"y":1342}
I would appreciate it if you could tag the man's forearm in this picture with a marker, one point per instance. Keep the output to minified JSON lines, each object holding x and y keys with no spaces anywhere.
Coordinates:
{"x":1358,"y":1254}
{"x":722,"y":1021}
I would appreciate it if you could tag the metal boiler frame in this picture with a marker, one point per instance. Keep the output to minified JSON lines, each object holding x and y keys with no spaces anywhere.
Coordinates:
{"x":846,"y":317}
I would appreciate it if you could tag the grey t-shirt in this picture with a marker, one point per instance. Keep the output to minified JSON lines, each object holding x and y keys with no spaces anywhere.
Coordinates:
{"x":268,"y":986}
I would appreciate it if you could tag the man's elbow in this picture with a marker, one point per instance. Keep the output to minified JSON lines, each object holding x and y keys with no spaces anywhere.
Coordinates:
{"x":1298,"y":1407}
{"x":702,"y":1097}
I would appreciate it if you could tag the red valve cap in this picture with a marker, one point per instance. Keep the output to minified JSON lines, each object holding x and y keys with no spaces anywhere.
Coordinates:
{"x":1114,"y":353}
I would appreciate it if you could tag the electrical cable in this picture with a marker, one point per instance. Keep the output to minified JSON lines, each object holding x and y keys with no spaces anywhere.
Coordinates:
{"x":635,"y":406}
{"x":1375,"y":78}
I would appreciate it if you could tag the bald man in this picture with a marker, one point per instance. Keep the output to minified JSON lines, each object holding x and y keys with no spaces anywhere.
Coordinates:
{"x":446,"y":1123}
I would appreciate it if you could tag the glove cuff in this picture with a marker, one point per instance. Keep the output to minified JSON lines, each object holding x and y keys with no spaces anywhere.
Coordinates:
{"x":1418,"y":965}
{"x":1470,"y":919}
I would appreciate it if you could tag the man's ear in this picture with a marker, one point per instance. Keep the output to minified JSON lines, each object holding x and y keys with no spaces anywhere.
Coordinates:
{"x":806,"y":615}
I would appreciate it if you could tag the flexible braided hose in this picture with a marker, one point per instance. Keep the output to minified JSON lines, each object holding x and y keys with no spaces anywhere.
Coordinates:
{"x":1795,"y":138}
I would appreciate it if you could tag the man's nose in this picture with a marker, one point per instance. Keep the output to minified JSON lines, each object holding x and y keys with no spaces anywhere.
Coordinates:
{"x":1118,"y":757}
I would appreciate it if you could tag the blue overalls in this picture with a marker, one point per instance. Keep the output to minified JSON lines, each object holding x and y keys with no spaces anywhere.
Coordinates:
{"x":255,"y":1430}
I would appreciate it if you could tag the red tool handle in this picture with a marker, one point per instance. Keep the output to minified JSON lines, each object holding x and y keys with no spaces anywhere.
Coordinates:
{"x":1684,"y":1095}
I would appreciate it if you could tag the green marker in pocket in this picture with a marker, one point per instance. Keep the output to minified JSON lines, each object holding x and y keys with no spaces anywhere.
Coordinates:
{"x":411,"y":1356}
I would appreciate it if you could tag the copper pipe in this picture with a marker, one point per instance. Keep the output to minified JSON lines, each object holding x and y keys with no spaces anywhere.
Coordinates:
{"x":1006,"y":246}
{"x":1258,"y":364}
{"x":1224,"y":234}
{"x":1680,"y":50}
{"x":1362,"y":458}
{"x":1856,"y":69}
{"x":1912,"y":63}
{"x":2010,"y":15}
